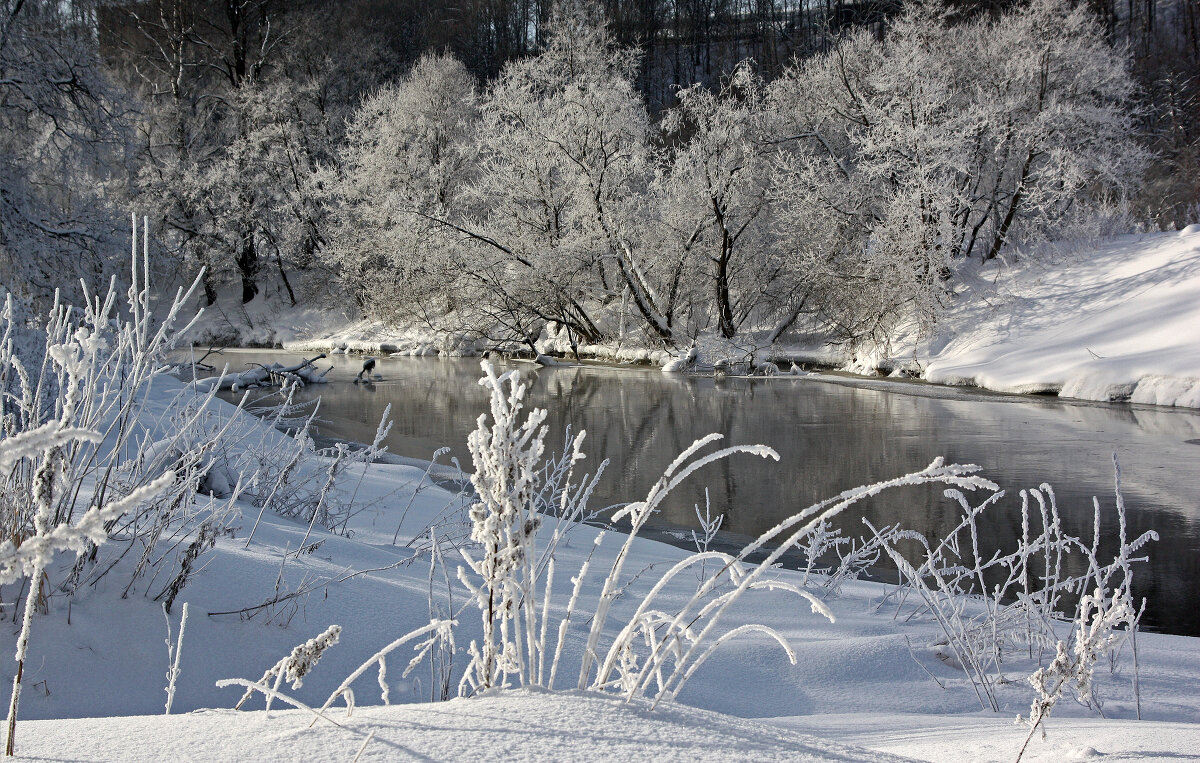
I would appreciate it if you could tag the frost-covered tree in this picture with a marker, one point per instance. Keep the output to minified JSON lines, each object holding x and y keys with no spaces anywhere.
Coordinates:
{"x":716,"y":198}
{"x":1060,"y":125}
{"x":943,"y":140}
{"x":188,"y":61}
{"x":61,"y":149}
{"x":565,"y":161}
{"x":408,"y":155}
{"x":261,"y":196}
{"x":241,"y":111}
{"x":527,"y":215}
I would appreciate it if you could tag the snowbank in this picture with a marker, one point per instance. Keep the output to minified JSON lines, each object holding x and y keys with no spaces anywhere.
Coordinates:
{"x":868,"y":679}
{"x":1118,"y":321}
{"x":516,"y":725}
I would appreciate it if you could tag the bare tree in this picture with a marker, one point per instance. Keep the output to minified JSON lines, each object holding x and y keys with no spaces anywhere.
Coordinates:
{"x":61,"y":135}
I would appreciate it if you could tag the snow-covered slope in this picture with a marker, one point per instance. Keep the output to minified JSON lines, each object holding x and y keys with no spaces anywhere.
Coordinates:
{"x":1119,"y":320}
{"x":521,"y":725}
{"x":867,"y":679}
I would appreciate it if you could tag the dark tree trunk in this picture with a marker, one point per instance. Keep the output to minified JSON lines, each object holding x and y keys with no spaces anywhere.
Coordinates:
{"x":728,"y":329}
{"x":283,"y":275}
{"x":1018,"y":194}
{"x":210,"y":291}
{"x":724,"y":303}
{"x":247,"y":262}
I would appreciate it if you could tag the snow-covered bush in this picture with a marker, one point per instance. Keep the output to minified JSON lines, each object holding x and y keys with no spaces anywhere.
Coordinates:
{"x":831,"y":557}
{"x":294,"y":667}
{"x":992,"y":607}
{"x":62,"y":439}
{"x":304,"y":657}
{"x":439,"y":635}
{"x":655,"y":651}
{"x":95,"y":455}
{"x":512,"y":484}
{"x":1095,"y":635}
{"x":92,"y":372}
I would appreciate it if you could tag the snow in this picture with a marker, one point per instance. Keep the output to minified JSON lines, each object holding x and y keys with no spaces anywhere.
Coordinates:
{"x":989,"y":738}
{"x":1119,"y":320}
{"x":515,"y":726}
{"x":576,"y":726}
{"x":99,"y":665}
{"x":267,"y":320}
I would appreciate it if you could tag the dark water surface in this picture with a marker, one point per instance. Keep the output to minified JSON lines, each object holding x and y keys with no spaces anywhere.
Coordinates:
{"x":830,"y":437}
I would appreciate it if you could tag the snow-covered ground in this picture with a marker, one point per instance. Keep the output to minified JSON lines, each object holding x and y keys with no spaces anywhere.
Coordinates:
{"x":575,"y":726}
{"x":1119,"y":320}
{"x":1115,"y":319}
{"x":878,"y":683}
{"x":511,"y":726}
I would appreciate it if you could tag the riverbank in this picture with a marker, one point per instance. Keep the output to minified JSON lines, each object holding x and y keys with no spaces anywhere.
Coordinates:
{"x":875,"y":680}
{"x":1114,"y":321}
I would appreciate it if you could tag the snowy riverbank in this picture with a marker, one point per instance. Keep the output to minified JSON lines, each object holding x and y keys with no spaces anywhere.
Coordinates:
{"x":1116,"y":320}
{"x":870,"y":678}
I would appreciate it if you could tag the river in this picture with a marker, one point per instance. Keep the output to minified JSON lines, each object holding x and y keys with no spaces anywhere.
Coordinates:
{"x":832,"y":434}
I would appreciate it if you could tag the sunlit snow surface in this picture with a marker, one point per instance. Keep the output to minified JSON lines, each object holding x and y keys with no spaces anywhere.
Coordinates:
{"x":513,"y":726}
{"x":1119,"y":319}
{"x":526,"y":725}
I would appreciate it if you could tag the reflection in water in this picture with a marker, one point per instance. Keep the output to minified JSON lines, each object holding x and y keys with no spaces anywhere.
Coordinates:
{"x":830,"y":437}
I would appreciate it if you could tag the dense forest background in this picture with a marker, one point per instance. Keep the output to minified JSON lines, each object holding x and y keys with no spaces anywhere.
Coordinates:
{"x":244,"y":130}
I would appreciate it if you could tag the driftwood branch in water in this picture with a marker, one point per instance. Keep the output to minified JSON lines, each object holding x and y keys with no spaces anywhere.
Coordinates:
{"x":304,"y":372}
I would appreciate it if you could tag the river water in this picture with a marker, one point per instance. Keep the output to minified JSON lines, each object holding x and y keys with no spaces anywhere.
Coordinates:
{"x":832,"y":434}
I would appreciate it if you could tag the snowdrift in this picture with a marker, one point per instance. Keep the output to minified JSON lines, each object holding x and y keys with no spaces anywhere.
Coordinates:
{"x":1119,"y":321}
{"x":516,"y":725}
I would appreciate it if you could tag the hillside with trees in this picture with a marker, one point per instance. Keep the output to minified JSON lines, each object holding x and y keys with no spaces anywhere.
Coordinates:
{"x":506,"y":166}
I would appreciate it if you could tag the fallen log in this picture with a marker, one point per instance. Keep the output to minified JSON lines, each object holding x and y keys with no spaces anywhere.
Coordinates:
{"x":275,"y":374}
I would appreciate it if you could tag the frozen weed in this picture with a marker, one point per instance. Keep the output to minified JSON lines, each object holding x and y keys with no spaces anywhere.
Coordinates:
{"x":992,"y":607}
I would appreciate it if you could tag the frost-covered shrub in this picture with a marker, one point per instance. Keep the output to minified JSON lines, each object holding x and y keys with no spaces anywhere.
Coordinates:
{"x":439,"y":636}
{"x":294,"y":667}
{"x":1101,"y":625}
{"x":511,"y":484}
{"x":295,"y":479}
{"x":991,"y":608}
{"x":831,"y":557}
{"x":93,"y":371}
{"x":52,"y":439}
{"x":92,"y":457}
{"x":654,"y":651}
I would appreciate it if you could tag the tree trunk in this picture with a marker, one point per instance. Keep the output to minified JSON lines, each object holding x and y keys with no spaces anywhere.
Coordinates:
{"x":287,"y":284}
{"x":641,"y":300}
{"x":1002,"y":233}
{"x":210,"y":291}
{"x":724,"y":307}
{"x":247,"y":263}
{"x":787,"y":322}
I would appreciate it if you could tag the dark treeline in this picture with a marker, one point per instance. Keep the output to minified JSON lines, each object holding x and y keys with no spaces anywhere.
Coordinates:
{"x":681,"y":42}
